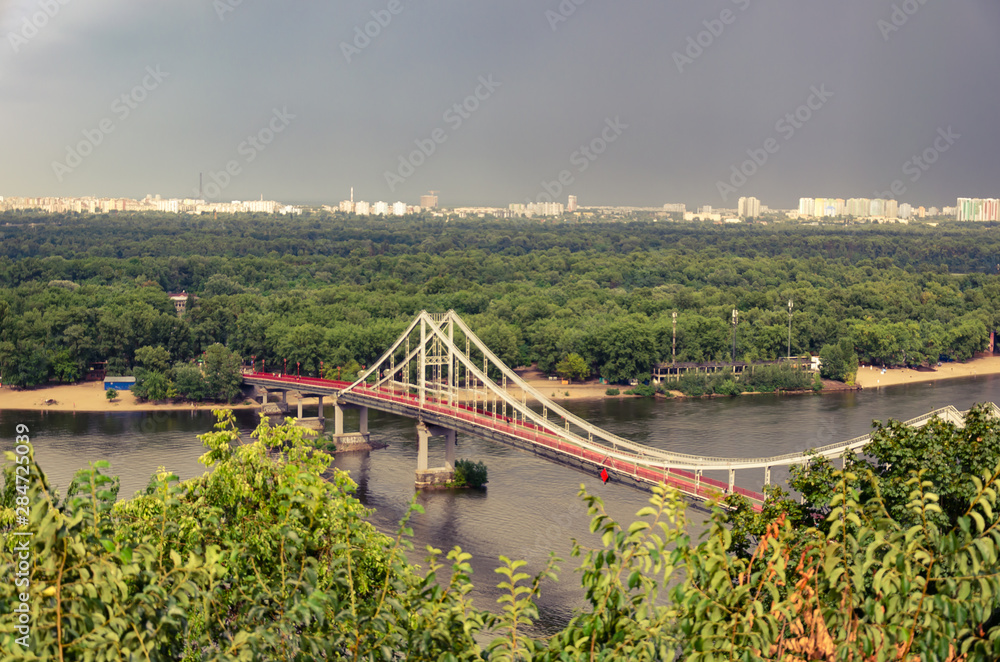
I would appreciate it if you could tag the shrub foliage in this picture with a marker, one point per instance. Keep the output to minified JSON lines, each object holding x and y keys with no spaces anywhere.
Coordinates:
{"x":264,"y":559}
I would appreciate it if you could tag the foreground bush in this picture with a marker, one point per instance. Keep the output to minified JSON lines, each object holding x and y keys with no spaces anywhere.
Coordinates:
{"x":263,"y":559}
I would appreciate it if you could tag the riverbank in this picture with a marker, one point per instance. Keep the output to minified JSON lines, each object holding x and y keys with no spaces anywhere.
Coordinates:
{"x":874,"y":377}
{"x":89,"y":396}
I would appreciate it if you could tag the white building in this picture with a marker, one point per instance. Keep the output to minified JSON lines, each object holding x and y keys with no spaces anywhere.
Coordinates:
{"x":748,"y":208}
{"x":399,"y":209}
{"x":362,"y":208}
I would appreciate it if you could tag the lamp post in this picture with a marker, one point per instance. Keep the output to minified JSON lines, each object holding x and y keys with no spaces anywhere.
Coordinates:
{"x":284,"y":370}
{"x":253,"y":368}
{"x":789,"y":330}
{"x":736,"y":320}
{"x":298,"y":373}
{"x":673,"y":354}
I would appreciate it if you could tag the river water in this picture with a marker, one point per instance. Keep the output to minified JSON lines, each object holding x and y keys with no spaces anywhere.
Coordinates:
{"x":530,"y":506}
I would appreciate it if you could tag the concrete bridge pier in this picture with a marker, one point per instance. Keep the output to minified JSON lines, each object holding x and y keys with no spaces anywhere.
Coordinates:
{"x":273,"y":408}
{"x":348,"y":441}
{"x":439,"y":476}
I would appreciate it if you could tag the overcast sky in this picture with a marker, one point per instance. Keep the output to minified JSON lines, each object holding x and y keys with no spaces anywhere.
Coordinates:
{"x":329,"y":107}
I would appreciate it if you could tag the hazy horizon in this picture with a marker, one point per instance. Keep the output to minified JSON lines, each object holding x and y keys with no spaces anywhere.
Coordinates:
{"x":492,"y":104}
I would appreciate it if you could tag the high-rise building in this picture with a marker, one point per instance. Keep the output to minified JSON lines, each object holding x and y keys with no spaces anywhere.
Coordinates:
{"x":978,"y":209}
{"x":748,"y":207}
{"x":675,"y":208}
{"x":381,"y":209}
{"x":399,"y":209}
{"x":905,"y":211}
{"x":891,"y":209}
{"x":571,"y":206}
{"x":348,"y":205}
{"x":429,"y":201}
{"x":362,"y":208}
{"x":858,"y":207}
{"x":806,"y":206}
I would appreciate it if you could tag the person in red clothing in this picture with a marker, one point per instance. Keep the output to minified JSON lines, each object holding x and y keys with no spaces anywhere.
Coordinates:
{"x":604,"y":475}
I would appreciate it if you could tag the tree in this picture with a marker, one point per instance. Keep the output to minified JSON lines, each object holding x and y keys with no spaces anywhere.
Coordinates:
{"x":151,"y":385}
{"x":223,"y":378}
{"x":839,"y":361}
{"x":190,"y":382}
{"x":66,"y":367}
{"x":627,"y":350}
{"x":111,"y":394}
{"x":153,"y":358}
{"x":573,"y":367}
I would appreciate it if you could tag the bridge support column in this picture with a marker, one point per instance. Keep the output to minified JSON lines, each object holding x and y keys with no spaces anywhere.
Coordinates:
{"x":300,"y":407}
{"x":423,"y":439}
{"x":427,"y":477}
{"x":449,"y":451}
{"x":347,"y":441}
{"x":319,"y":413}
{"x":732,"y":480}
{"x":767,"y":476}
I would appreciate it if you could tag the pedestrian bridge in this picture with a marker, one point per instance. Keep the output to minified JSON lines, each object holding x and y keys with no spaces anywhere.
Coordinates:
{"x":439,"y":373}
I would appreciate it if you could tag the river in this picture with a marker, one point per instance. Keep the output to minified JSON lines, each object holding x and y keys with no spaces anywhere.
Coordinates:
{"x":530,"y":506}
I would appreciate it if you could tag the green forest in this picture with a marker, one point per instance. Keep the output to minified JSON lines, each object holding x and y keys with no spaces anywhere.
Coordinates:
{"x":332,"y":289}
{"x":269,"y":556}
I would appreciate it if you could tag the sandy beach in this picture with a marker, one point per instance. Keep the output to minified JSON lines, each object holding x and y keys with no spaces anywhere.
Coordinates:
{"x":873,"y":377}
{"x":90,"y":396}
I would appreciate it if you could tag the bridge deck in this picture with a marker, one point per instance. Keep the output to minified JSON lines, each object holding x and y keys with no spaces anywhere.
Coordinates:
{"x":518,"y":433}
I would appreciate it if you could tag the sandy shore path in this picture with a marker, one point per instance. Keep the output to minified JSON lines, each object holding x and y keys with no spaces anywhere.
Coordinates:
{"x":88,"y":396}
{"x":872,"y":377}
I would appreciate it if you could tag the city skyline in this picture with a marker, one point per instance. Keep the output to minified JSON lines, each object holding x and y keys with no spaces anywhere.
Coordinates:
{"x":719,"y":100}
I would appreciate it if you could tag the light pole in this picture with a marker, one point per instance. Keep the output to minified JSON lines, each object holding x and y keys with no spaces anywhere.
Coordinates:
{"x":673,"y":354}
{"x":736,"y":320}
{"x":789,"y":330}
